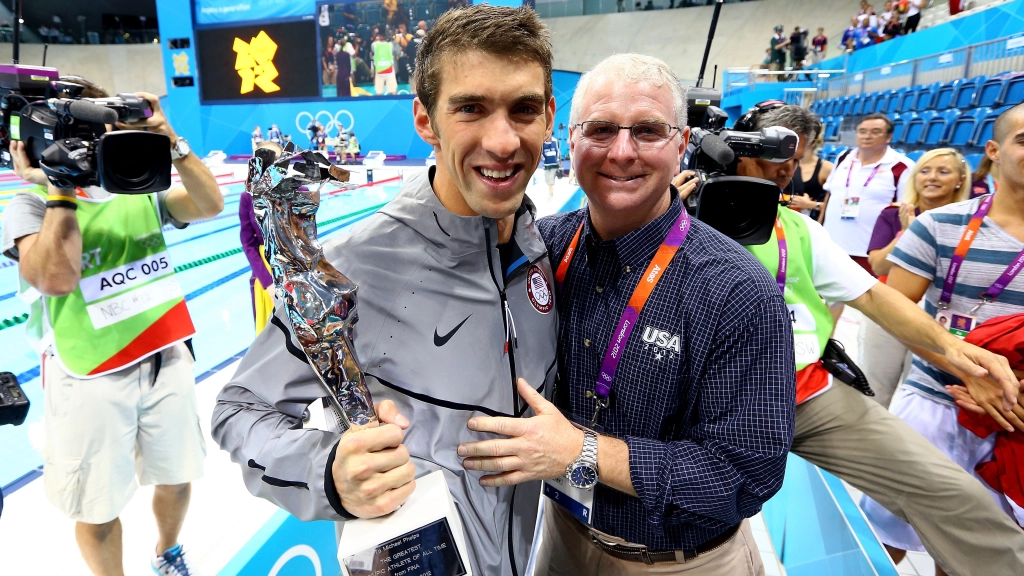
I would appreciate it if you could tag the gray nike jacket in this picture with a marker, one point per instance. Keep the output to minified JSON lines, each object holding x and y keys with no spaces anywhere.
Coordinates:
{"x":444,"y":333}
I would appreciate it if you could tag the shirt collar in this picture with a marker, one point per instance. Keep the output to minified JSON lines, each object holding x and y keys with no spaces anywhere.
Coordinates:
{"x":637,"y":247}
{"x":887,"y":158}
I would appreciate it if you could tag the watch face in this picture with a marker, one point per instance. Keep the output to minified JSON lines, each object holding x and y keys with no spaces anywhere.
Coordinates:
{"x":584,"y":476}
{"x":181,"y":147}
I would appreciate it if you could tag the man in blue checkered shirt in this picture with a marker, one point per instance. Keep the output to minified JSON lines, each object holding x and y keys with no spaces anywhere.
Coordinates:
{"x":699,"y":419}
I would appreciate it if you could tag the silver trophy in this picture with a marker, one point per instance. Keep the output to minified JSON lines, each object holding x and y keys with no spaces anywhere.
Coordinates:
{"x":320,"y":300}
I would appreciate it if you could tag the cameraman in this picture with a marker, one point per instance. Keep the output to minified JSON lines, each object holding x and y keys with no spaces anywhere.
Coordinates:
{"x":843,"y":431}
{"x":119,"y":392}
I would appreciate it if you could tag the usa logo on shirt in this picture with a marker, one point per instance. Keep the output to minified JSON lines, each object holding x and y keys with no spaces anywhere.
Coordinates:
{"x":663,"y":340}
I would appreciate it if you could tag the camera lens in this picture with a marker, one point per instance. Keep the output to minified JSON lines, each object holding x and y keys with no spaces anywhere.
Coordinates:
{"x":134,"y":162}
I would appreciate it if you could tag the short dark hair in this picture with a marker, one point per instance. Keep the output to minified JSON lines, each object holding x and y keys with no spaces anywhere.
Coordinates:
{"x":517,"y":33}
{"x":90,"y":90}
{"x":805,"y":123}
{"x":1001,"y":129}
{"x":878,"y":116}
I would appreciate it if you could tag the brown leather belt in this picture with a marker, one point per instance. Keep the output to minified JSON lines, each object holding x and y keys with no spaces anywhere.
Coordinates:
{"x":640,"y":553}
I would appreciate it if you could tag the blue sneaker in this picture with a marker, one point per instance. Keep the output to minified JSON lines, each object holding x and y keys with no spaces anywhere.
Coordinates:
{"x":173,"y":563}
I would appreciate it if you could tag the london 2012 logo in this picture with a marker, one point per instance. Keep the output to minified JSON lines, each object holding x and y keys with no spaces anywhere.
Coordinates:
{"x":255,"y":63}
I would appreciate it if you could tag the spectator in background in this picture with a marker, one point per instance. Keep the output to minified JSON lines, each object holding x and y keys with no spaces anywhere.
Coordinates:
{"x":893,"y":27}
{"x":349,"y":19}
{"x":779,"y":42}
{"x":867,"y":35}
{"x":820,"y":44}
{"x":913,"y":15}
{"x":274,"y":135}
{"x":940,"y":177}
{"x":887,"y":11}
{"x":261,"y":283}
{"x":649,"y":5}
{"x":343,"y":74}
{"x":549,"y":159}
{"x":328,"y":63}
{"x":986,"y":285}
{"x":403,"y":41}
{"x":849,"y":38}
{"x":257,"y":138}
{"x":865,"y":181}
{"x":809,"y":195}
{"x":422,"y":25}
{"x":351,"y":149}
{"x":384,"y":79}
{"x":983,"y":179}
{"x":321,"y":139}
{"x":798,"y":48}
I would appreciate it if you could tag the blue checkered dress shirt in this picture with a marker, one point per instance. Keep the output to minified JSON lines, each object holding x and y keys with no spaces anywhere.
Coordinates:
{"x":705,"y":392}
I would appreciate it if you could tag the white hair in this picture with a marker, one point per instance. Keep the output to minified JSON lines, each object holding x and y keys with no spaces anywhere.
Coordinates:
{"x":632,"y":68}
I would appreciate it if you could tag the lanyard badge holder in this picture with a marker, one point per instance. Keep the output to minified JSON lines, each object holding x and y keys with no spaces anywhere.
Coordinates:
{"x":961,"y":324}
{"x":851,"y":204}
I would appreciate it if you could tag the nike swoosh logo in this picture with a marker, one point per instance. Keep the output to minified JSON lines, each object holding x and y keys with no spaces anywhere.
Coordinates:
{"x":442,"y":340}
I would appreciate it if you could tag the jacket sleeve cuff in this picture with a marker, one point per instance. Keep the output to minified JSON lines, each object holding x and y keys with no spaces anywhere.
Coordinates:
{"x":331,"y":490}
{"x":648,"y":474}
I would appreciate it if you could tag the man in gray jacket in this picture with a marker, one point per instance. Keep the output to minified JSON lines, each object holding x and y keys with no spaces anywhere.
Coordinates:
{"x":448,"y":273}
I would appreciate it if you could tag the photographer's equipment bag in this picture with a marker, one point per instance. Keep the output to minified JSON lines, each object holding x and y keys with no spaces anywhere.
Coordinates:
{"x":13,"y":402}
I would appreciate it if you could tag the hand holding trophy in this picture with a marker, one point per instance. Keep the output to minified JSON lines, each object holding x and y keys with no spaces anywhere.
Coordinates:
{"x":372,"y":471}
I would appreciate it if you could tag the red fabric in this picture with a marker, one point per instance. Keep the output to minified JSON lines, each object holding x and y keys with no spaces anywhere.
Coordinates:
{"x":955,"y":7}
{"x":862,"y":261}
{"x":810,"y":382}
{"x":1005,"y":472}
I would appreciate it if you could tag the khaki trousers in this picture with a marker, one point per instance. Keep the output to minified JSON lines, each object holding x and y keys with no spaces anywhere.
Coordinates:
{"x":858,"y":440}
{"x":566,"y":550}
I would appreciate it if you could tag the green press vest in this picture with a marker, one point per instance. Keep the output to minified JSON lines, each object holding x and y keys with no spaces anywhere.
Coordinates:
{"x":383,"y":60}
{"x":128,"y":303}
{"x":812,"y":322}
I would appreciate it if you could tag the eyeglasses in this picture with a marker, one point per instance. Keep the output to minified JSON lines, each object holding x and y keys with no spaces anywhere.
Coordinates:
{"x":875,"y":132}
{"x":647,"y":134}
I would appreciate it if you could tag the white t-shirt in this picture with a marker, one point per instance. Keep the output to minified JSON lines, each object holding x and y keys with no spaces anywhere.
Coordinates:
{"x":915,"y":7}
{"x":837,"y":278}
{"x":859,"y":193}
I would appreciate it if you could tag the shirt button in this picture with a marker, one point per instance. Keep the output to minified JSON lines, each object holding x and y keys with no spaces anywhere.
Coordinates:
{"x":628,"y":270}
{"x":586,"y":342}
{"x":599,"y":289}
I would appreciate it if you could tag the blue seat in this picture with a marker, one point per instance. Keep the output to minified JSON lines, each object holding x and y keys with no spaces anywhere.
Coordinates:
{"x":908,"y":99}
{"x":372,"y":15}
{"x":984,"y":131}
{"x":973,"y":160}
{"x":899,"y":125}
{"x":936,"y":133}
{"x":882,"y":102}
{"x":830,"y":107}
{"x":421,"y":10}
{"x":1013,"y":91}
{"x":438,"y":9}
{"x":866,"y":104}
{"x":915,"y":127}
{"x":915,"y":155}
{"x":838,"y":152}
{"x":966,"y":126}
{"x":944,"y":95}
{"x":966,"y":94}
{"x":925,"y":97}
{"x":893,"y":105}
{"x":825,"y":151}
{"x":989,"y":91}
{"x":832,"y":124}
{"x":846,"y":106}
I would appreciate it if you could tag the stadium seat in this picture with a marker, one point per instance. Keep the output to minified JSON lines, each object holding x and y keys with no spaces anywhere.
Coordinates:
{"x":420,"y":10}
{"x":1013,"y":91}
{"x":916,"y":125}
{"x":990,"y":91}
{"x":832,"y":124}
{"x":944,"y":95}
{"x":438,"y":9}
{"x":830,"y":107}
{"x":965,"y":127}
{"x":882,"y":101}
{"x":372,"y":15}
{"x":826,"y":151}
{"x":865,"y":104}
{"x":984,"y":132}
{"x":899,"y":125}
{"x":846,"y":108}
{"x":973,"y":160}
{"x":893,"y":105}
{"x":838,"y":152}
{"x":915,"y":155}
{"x":908,"y":99}
{"x":925,"y":97}
{"x":936,"y":133}
{"x":967,"y":92}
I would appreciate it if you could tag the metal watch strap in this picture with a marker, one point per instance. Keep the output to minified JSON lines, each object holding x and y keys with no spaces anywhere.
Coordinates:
{"x":589,"y":455}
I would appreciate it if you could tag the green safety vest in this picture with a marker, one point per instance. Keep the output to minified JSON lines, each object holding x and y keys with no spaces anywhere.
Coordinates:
{"x":382,"y":57}
{"x":812,"y":322}
{"x":128,"y":303}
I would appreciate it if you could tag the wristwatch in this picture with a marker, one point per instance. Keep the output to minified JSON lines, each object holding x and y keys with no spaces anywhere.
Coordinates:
{"x":180,"y":149}
{"x":583,"y":472}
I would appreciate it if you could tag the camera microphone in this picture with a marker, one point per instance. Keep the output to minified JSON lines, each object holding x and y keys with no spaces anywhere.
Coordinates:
{"x":717,"y":149}
{"x":84,"y":111}
{"x":89,"y":112}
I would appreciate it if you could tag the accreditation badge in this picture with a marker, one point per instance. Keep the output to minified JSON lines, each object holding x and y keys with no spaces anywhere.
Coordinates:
{"x":851,"y":208}
{"x":577,"y":501}
{"x":959,"y":325}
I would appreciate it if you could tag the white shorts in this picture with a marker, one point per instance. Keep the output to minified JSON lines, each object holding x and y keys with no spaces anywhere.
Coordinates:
{"x":385,"y":84}
{"x":101,"y":433}
{"x":550,"y":174}
{"x":938,"y":424}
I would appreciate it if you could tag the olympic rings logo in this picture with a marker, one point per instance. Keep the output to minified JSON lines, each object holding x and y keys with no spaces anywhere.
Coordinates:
{"x":332,"y":121}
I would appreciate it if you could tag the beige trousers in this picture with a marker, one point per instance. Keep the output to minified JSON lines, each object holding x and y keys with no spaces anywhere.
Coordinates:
{"x":858,"y":440}
{"x":566,"y":550}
